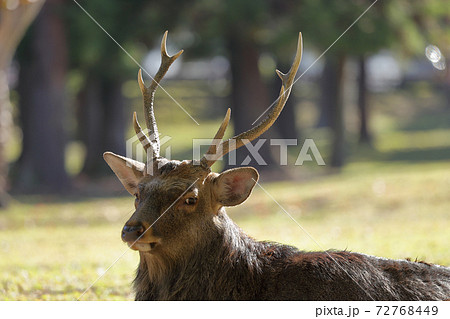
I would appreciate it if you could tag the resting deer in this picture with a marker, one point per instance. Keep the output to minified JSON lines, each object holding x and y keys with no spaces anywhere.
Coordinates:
{"x":191,"y":250}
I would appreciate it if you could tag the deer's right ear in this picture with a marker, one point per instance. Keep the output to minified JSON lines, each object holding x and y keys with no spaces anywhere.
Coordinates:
{"x":234,"y":186}
{"x":127,"y":170}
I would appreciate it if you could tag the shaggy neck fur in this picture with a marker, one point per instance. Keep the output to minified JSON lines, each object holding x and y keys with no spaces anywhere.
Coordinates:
{"x":223,"y":264}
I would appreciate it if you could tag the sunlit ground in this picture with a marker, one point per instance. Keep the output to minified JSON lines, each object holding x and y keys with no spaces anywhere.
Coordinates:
{"x":391,"y":201}
{"x":54,"y":251}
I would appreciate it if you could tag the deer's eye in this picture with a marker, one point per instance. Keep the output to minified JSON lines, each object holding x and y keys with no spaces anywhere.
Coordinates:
{"x":136,"y":201}
{"x":190,"y":201}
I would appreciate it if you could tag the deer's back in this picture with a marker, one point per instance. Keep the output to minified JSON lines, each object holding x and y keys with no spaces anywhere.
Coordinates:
{"x":351,"y":276}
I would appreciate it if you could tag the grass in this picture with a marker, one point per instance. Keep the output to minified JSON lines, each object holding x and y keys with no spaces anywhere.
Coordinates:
{"x":391,"y":200}
{"x":55,"y":250}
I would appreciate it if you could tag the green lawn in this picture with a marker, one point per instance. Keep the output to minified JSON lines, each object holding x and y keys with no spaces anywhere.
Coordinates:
{"x":55,"y":250}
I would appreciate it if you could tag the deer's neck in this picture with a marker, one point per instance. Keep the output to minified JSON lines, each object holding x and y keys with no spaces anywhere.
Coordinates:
{"x":225,"y":253}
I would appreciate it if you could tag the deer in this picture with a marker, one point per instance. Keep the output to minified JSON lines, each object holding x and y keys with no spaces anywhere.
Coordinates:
{"x":190,"y":249}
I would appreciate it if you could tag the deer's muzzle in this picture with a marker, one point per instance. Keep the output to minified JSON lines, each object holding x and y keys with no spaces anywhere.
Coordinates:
{"x":132,"y":233}
{"x":138,"y":238}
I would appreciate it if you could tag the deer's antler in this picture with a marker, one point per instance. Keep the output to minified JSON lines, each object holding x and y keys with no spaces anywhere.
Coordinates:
{"x":215,"y":151}
{"x":151,"y":142}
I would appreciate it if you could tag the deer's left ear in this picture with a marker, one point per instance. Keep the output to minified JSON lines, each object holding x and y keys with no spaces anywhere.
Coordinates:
{"x":127,"y":170}
{"x":234,"y":186}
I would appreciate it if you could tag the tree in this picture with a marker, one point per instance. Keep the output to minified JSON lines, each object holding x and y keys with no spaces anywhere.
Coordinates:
{"x":432,"y":18}
{"x":337,"y":111}
{"x":323,"y":22}
{"x":104,"y":67}
{"x":364,"y":134}
{"x":42,"y":78}
{"x":250,"y":94}
{"x":242,"y":30}
{"x":14,"y":20}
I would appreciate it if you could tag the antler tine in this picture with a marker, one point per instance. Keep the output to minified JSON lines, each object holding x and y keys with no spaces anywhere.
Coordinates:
{"x":148,"y":93}
{"x":218,"y":137}
{"x":264,"y":125}
{"x":145,"y":141}
{"x":166,"y":62}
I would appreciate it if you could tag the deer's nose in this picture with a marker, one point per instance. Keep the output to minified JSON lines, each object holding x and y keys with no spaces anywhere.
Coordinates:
{"x":131,"y":233}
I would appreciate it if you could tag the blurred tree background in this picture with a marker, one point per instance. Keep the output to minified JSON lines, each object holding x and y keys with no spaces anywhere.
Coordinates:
{"x":73,"y":84}
{"x":373,"y":93}
{"x":15,"y":18}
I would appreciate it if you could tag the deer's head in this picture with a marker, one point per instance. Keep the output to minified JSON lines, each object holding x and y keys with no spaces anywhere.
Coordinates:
{"x":177,"y":200}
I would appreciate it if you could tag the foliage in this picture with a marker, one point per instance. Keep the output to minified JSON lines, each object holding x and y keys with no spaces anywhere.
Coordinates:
{"x":399,"y":25}
{"x":133,"y":24}
{"x":433,"y":18}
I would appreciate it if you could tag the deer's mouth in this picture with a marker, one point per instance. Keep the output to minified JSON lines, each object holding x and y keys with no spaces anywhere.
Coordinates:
{"x":144,"y":247}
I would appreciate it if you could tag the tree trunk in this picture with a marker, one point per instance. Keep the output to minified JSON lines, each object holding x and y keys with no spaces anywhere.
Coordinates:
{"x":41,"y":89}
{"x":13,"y":23}
{"x":101,"y":122}
{"x":327,"y":85}
{"x":90,"y":122}
{"x":286,"y":123}
{"x":446,"y":83}
{"x":5,"y":119}
{"x":364,"y":135}
{"x":249,"y":98}
{"x":337,"y":111}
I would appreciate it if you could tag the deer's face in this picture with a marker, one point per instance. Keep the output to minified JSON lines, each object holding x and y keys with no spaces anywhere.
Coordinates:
{"x":178,"y":203}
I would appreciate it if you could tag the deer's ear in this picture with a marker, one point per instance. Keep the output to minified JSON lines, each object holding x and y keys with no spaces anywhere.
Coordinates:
{"x":127,"y":170}
{"x":234,"y":186}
